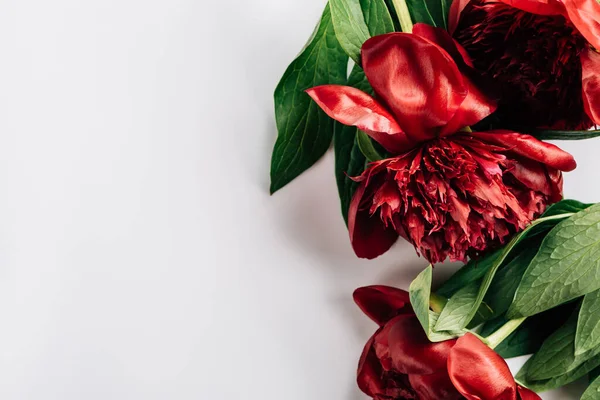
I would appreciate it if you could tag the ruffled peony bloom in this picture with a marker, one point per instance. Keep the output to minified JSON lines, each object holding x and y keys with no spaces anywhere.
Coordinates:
{"x":449,"y":191}
{"x":399,"y":362}
{"x":542,"y":55}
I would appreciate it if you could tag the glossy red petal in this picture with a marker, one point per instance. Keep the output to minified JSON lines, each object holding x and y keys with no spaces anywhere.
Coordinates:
{"x":478,"y":372}
{"x":529,"y":147}
{"x":540,"y":7}
{"x":434,"y":386}
{"x":585,"y":15}
{"x":590,"y":82}
{"x":369,"y":236}
{"x":369,"y":371}
{"x":412,"y":352}
{"x":351,"y":106}
{"x":456,"y":8}
{"x":442,"y":38}
{"x":418,"y":81}
{"x":475,"y":108}
{"x":382,"y":303}
{"x":526,"y":394}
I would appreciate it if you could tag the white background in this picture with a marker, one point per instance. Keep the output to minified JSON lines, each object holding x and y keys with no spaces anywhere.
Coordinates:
{"x":141,"y":256}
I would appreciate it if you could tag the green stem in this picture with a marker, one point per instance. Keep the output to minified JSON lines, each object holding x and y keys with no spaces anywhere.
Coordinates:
{"x":437,"y":302}
{"x":403,"y":15}
{"x":505,"y":330}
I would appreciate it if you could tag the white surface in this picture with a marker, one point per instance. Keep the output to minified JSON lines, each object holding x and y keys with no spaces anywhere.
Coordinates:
{"x":141,"y":256}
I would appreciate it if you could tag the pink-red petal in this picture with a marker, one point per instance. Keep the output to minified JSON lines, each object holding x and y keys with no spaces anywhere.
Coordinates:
{"x":585,"y":15}
{"x":382,"y":303}
{"x":351,"y":106}
{"x":369,"y":236}
{"x":478,"y":373}
{"x":540,"y":7}
{"x":434,"y":386}
{"x":590,"y":80}
{"x":418,"y":81}
{"x":442,"y":38}
{"x":456,"y":8}
{"x":526,"y":394}
{"x":529,"y":147}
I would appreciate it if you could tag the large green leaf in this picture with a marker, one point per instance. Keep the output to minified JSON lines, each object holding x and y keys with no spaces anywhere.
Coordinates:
{"x":566,"y":135}
{"x":431,"y":12}
{"x":378,"y":17}
{"x":557,"y":381}
{"x":567,"y":265}
{"x":454,"y":314}
{"x":566,"y":206}
{"x":304,"y":130}
{"x":350,"y":26}
{"x":473,"y":271}
{"x":420,"y":291}
{"x":588,"y":325}
{"x":593,"y":391}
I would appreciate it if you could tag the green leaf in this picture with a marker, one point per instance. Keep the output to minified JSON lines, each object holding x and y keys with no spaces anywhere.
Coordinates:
{"x":378,"y":17}
{"x":420,"y":291}
{"x":593,"y":391}
{"x":366,"y":147}
{"x":557,"y":381}
{"x":454,"y":314}
{"x":565,"y":206}
{"x":566,"y":135}
{"x":350,"y":26}
{"x":431,"y":12}
{"x":304,"y":130}
{"x":473,"y":271}
{"x":567,"y":265}
{"x":588,"y":325}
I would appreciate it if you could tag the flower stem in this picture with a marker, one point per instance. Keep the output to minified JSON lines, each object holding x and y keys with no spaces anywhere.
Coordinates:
{"x":437,"y":302}
{"x":403,"y":15}
{"x":505,"y":330}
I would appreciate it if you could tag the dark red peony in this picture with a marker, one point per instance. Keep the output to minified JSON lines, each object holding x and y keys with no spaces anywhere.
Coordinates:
{"x":399,"y":362}
{"x":542,"y":55}
{"x":449,"y":191}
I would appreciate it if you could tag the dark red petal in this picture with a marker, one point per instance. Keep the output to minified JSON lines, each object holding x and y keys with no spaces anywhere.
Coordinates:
{"x":369,"y":236}
{"x":434,"y":386}
{"x":530,"y":147}
{"x":585,"y":15}
{"x":454,"y":15}
{"x":590,"y":81}
{"x":351,"y":106}
{"x":540,"y":7}
{"x":442,"y":38}
{"x":418,"y":80}
{"x":526,"y":394}
{"x":382,"y":303}
{"x":410,"y":350}
{"x":475,"y":108}
{"x":478,"y":372}
{"x":369,"y":371}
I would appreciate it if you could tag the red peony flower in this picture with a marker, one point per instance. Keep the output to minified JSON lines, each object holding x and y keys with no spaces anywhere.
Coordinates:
{"x":399,"y":362}
{"x":449,"y":191}
{"x":542,"y":53}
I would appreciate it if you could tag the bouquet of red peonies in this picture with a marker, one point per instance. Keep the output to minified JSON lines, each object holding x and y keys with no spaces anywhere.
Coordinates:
{"x":439,"y":137}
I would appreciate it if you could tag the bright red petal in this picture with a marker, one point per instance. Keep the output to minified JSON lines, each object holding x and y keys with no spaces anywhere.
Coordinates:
{"x":351,"y":106}
{"x":590,"y":80}
{"x":478,"y":372}
{"x":412,"y":352}
{"x":419,"y":82}
{"x":526,"y":394}
{"x":585,"y":15}
{"x":434,"y":386}
{"x":540,"y":7}
{"x":369,"y":236}
{"x":382,"y":303}
{"x":529,"y":147}
{"x":442,"y":38}
{"x":475,"y":108}
{"x":369,"y":370}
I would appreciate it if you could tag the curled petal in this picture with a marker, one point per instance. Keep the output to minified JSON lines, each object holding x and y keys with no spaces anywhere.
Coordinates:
{"x":412,"y":352}
{"x":369,"y":370}
{"x":434,"y":386}
{"x":526,"y":394}
{"x":456,"y":9}
{"x":590,"y":80}
{"x":529,"y":147}
{"x":478,"y":372}
{"x":442,"y":38}
{"x":473,"y":109}
{"x":369,"y":236}
{"x":382,"y":303}
{"x":351,"y":106}
{"x":540,"y":7}
{"x":585,"y":15}
{"x":418,"y":80}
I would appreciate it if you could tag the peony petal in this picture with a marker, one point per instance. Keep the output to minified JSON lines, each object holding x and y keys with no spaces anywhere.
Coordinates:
{"x":418,"y":80}
{"x":475,"y":108}
{"x":351,"y":106}
{"x":369,"y":236}
{"x":590,"y":81}
{"x":434,"y":386}
{"x":369,"y":371}
{"x":585,"y":15}
{"x":442,"y":38}
{"x":412,"y":352}
{"x":530,"y":147}
{"x":540,"y":7}
{"x":456,"y":8}
{"x":382,"y":303}
{"x":526,"y":394}
{"x":478,"y":372}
